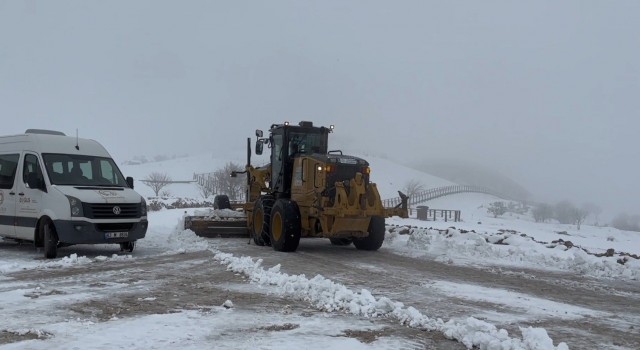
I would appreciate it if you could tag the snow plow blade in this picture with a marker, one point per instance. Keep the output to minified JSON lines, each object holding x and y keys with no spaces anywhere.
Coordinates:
{"x":401,"y":209}
{"x":217,"y":225}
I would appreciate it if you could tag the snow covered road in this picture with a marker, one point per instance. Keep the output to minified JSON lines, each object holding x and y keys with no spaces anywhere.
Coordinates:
{"x":563,"y":303}
{"x":186,"y":300}
{"x":178,"y":289}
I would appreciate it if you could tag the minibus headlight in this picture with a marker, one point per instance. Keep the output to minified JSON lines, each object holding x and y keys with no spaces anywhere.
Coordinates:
{"x":75,"y":206}
{"x":143,"y":207}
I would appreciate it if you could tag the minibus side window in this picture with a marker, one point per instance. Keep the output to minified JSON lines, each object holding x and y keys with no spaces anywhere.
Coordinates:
{"x":31,"y":165}
{"x":8,"y":166}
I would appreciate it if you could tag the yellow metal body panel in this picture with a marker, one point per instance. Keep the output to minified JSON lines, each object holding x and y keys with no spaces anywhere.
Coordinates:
{"x":345,"y":215}
{"x":258,"y":183}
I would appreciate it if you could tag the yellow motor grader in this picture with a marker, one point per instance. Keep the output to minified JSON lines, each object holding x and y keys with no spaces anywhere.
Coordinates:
{"x":305,"y":191}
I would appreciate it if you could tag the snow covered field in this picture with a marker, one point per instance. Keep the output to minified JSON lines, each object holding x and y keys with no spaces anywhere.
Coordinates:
{"x":522,"y":242}
{"x":492,"y":283}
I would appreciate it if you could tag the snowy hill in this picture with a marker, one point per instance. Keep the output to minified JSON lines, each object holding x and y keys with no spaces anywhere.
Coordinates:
{"x":389,"y":176}
{"x":180,"y":169}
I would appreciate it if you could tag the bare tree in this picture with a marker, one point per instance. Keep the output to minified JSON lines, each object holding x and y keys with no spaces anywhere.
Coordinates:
{"x":206,"y":189}
{"x":542,"y":212}
{"x":565,"y":212}
{"x":593,"y":210}
{"x":579,"y":215}
{"x":413,"y":187}
{"x":626,"y":222}
{"x":157,"y":181}
{"x":221,"y":181}
{"x":497,"y":209}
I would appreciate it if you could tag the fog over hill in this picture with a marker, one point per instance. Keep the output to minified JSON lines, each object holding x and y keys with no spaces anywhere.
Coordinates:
{"x":468,"y":173}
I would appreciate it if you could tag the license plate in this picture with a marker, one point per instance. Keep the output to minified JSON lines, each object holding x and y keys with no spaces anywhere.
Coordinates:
{"x":116,"y":234}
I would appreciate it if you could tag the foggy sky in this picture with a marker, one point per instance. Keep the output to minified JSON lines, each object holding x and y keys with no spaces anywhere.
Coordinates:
{"x":545,"y":92}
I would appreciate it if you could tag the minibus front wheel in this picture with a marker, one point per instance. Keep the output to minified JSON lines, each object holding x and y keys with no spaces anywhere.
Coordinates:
{"x":127,"y":246}
{"x":50,"y":240}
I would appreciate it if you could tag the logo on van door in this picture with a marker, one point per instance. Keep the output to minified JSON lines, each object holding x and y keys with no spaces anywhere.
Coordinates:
{"x":117,"y":210}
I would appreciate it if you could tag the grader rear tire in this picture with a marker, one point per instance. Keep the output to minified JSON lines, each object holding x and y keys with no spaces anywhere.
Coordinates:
{"x":376,"y":235}
{"x":285,"y":226}
{"x":262,"y":220}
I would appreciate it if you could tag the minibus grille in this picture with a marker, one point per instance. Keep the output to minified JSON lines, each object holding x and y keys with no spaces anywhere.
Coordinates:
{"x":111,"y":210}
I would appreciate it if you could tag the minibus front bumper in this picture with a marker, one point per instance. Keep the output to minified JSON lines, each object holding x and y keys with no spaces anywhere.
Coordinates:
{"x":85,"y":232}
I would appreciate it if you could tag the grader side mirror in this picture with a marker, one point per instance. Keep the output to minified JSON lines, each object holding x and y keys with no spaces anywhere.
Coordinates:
{"x":258,"y":133}
{"x":259,"y":146}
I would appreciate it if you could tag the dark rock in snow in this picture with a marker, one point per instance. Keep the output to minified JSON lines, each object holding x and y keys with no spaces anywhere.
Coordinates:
{"x":608,"y":253}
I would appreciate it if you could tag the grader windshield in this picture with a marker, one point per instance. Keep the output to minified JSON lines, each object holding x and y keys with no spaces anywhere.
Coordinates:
{"x":307,"y":143}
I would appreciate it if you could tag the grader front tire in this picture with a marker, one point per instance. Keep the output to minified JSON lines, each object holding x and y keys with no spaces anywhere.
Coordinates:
{"x":285,"y":226}
{"x":376,"y":235}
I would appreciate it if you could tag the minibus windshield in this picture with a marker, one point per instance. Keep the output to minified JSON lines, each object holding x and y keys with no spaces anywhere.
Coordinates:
{"x":82,"y":170}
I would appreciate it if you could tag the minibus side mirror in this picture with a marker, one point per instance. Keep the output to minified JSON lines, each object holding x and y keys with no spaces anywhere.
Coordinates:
{"x":130,"y":182}
{"x":35,"y":182}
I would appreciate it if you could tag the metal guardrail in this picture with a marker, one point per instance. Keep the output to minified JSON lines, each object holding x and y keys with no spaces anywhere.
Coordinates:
{"x":427,"y":214}
{"x":203,"y":179}
{"x":438,"y":192}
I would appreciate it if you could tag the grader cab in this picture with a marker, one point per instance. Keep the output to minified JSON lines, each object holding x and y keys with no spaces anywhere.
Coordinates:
{"x":308,"y":191}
